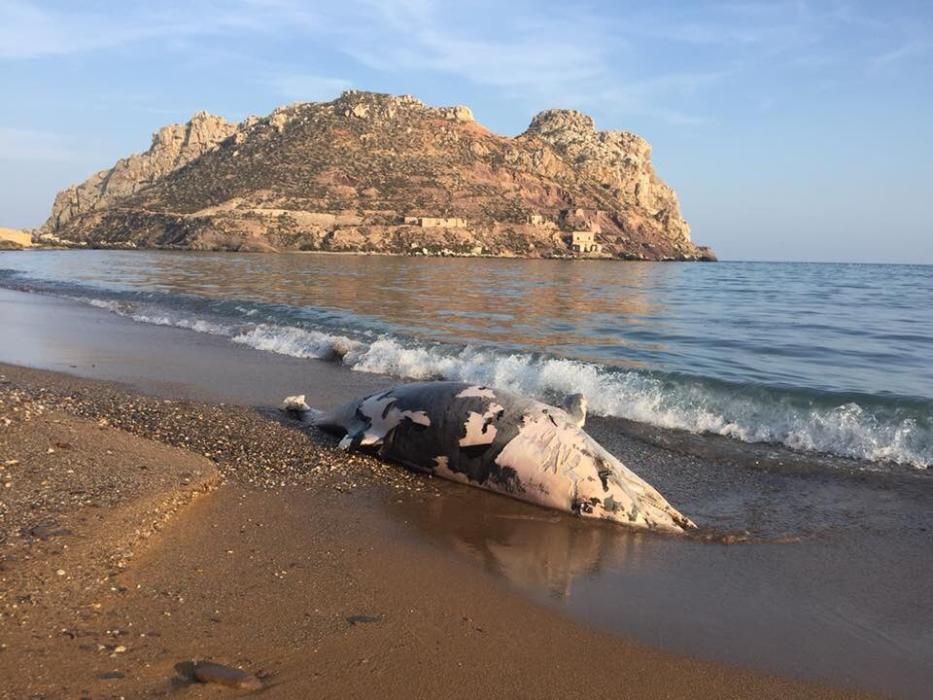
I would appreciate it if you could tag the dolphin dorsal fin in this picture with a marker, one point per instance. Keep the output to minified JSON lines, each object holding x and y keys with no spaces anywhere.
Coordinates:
{"x":575,"y":406}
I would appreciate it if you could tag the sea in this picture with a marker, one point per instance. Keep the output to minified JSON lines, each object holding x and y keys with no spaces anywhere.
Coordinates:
{"x":786,"y":408}
{"x":827,"y":359}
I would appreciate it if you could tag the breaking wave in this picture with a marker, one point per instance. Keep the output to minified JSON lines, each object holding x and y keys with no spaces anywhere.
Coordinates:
{"x":881,"y":429}
{"x":160,"y":319}
{"x":298,"y":342}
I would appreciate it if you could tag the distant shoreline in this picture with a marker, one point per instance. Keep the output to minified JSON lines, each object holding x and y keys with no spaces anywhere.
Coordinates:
{"x":368,"y":253}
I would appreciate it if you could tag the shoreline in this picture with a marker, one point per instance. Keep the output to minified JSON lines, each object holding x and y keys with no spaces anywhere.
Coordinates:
{"x":342,"y":604}
{"x":368,"y":253}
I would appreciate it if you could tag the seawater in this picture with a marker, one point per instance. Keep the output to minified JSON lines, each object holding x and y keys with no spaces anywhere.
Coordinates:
{"x":834,"y":359}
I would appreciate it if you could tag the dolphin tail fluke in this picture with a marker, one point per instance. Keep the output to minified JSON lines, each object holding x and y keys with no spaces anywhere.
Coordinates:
{"x":575,"y":407}
{"x":296,"y":407}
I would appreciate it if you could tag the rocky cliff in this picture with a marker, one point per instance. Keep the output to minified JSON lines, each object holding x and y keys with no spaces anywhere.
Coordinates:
{"x":384,"y":174}
{"x":172,"y":147}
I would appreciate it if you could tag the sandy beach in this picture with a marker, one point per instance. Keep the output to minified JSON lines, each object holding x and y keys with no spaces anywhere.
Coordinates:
{"x":142,"y":534}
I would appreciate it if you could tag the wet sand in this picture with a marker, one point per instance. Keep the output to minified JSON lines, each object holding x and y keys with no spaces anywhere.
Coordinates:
{"x":126,"y":558}
{"x":831,"y":584}
{"x":66,"y":336}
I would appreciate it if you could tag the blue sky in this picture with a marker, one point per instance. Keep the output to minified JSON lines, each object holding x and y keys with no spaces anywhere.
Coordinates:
{"x":791,"y":130}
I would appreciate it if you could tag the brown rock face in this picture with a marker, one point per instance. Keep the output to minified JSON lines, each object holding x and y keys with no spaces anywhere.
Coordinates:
{"x":385,"y":174}
{"x":619,"y":161}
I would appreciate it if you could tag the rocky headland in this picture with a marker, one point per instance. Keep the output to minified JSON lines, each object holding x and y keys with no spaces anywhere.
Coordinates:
{"x":375,"y":173}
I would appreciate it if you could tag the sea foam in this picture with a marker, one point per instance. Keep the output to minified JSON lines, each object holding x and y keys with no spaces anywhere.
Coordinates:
{"x":298,"y":342}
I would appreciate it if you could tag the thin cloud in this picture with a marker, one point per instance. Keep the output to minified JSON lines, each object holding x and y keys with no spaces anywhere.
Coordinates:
{"x":526,"y":56}
{"x":910,"y":49}
{"x":650,"y":97}
{"x":30,"y":145}
{"x":310,"y":88}
{"x":529,"y":56}
{"x":422,"y":36}
{"x":28,"y":30}
{"x":524,"y":63}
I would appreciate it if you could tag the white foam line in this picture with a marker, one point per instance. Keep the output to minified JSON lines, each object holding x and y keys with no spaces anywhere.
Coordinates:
{"x":297,"y":342}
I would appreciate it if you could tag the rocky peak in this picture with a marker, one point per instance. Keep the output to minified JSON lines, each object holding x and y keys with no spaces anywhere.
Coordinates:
{"x":177,"y":144}
{"x":379,"y":106}
{"x":618,"y":160}
{"x":172,"y":147}
{"x":565,"y":127}
{"x":559,"y":124}
{"x":385,"y":99}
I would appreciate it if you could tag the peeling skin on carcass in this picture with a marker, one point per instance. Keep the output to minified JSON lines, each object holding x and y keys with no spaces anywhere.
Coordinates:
{"x":482,"y":392}
{"x":502,"y":442}
{"x":381,"y":416}
{"x":480,"y":427}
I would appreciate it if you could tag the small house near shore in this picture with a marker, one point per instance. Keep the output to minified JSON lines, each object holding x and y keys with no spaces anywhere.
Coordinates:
{"x":434,"y":222}
{"x":584,"y":242}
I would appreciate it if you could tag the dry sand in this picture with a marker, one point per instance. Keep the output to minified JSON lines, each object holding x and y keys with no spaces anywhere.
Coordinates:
{"x":140,"y":535}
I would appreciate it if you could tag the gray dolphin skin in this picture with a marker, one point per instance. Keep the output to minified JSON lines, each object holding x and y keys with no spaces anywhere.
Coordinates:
{"x":500,"y":441}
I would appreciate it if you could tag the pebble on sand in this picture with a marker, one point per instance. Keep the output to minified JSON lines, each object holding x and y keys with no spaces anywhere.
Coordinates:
{"x":210,"y":672}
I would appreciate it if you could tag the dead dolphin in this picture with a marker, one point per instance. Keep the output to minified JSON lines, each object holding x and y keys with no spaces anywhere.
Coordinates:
{"x":502,"y":442}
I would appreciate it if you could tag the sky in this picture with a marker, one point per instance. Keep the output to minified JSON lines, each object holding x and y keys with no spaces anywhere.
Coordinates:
{"x":795,"y":130}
